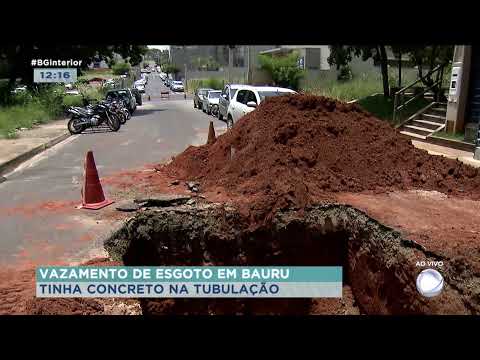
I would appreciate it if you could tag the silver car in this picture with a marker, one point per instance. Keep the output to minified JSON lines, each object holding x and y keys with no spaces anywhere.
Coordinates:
{"x":210,"y":102}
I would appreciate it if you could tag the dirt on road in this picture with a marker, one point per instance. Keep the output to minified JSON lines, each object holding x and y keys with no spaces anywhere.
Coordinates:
{"x":297,"y":152}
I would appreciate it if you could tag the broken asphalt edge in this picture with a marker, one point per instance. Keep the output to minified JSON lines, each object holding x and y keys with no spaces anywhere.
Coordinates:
{"x":27,"y":155}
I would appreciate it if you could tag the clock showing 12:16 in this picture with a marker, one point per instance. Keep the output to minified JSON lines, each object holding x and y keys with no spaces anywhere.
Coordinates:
{"x":51,"y":75}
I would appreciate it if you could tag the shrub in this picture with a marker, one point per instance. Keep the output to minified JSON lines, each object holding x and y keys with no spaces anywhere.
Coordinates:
{"x":284,"y":70}
{"x":121,"y":68}
{"x":51,"y":99}
{"x":21,"y":116}
{"x":72,"y":100}
{"x":90,"y":94}
{"x":214,"y":83}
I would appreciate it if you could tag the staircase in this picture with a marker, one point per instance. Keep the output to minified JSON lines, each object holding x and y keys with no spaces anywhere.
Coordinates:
{"x":426,"y":122}
{"x":431,"y":118}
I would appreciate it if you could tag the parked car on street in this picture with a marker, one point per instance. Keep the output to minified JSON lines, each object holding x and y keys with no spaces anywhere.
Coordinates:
{"x":247,"y":98}
{"x":138,"y":96}
{"x":198,"y":97}
{"x":139,"y":85}
{"x":210,"y":101}
{"x":140,"y":88}
{"x":126,"y":95}
{"x":177,"y":86}
{"x":227,"y":94}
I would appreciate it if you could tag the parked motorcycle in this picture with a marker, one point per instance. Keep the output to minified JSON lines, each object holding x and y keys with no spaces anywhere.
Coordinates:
{"x":118,"y":108}
{"x":92,"y":116}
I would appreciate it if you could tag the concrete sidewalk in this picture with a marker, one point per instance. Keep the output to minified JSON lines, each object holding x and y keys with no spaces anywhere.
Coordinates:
{"x":30,"y":142}
{"x":460,"y":155}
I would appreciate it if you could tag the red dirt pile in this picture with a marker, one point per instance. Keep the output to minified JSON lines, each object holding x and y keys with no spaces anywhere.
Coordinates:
{"x":298,"y":149}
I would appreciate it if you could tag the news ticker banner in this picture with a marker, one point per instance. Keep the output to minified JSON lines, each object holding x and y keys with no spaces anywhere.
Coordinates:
{"x":189,"y":282}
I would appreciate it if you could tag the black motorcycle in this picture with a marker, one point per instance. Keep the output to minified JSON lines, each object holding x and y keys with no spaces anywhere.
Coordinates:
{"x":92,"y":116}
{"x":118,"y":108}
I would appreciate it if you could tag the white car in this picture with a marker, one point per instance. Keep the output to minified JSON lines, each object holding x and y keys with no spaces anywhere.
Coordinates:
{"x":177,"y":86}
{"x":140,"y":88}
{"x":247,"y":98}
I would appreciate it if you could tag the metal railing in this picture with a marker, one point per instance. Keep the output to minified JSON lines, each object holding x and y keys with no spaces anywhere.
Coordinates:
{"x":400,"y":103}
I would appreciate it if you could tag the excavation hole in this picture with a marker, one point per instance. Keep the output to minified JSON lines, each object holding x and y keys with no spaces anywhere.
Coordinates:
{"x":378,"y":269}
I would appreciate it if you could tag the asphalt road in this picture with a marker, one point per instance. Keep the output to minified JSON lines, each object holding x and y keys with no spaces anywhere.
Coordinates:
{"x":38,"y":221}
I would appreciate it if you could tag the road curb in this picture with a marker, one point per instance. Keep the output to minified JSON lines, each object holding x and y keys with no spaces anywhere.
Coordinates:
{"x":13,"y":163}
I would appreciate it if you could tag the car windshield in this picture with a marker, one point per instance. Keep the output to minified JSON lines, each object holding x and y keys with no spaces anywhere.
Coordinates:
{"x":214,"y":94}
{"x":178,"y":83}
{"x":265,"y":94}
{"x":232,"y":93}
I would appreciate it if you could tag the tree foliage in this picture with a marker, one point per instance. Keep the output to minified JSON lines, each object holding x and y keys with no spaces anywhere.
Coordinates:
{"x":424,"y":57}
{"x":284,"y":70}
{"x":342,"y":55}
{"x":121,"y":68}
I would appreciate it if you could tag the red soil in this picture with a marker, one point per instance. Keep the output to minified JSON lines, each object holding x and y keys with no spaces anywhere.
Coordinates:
{"x":296,"y":150}
{"x":17,"y":294}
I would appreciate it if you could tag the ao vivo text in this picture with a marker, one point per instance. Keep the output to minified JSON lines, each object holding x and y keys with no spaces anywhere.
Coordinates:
{"x":429,"y":263}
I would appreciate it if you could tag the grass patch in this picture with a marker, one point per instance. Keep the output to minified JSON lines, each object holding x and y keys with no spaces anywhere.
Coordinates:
{"x":101,"y":73}
{"x":382,"y":108}
{"x":362,"y":85}
{"x":26,"y":109}
{"x":21,"y":116}
{"x":346,"y":90}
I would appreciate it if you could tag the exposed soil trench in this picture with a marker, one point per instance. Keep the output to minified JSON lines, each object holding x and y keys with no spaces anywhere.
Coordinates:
{"x":379,"y":265}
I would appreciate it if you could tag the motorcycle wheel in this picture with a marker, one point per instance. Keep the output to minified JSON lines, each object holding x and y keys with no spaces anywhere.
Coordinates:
{"x":214,"y":111}
{"x":127,"y":114}
{"x":122,"y":117}
{"x":113,"y":123}
{"x":73,"y":128}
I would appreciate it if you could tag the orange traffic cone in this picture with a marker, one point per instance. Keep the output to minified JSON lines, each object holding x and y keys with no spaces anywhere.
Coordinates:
{"x":92,"y":192}
{"x":211,"y":134}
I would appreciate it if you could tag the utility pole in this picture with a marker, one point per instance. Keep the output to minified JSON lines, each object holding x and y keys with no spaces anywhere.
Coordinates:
{"x":185,"y":86}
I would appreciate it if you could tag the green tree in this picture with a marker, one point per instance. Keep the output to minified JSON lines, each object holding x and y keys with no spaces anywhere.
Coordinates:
{"x":121,"y":68}
{"x":425,"y":57}
{"x":284,"y":70}
{"x":342,"y":55}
